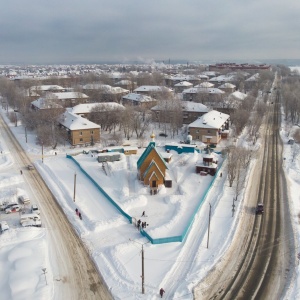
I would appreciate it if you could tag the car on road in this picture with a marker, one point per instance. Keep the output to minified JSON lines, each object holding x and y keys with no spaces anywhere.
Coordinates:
{"x":30,"y":167}
{"x":259,"y":209}
{"x":12,"y":209}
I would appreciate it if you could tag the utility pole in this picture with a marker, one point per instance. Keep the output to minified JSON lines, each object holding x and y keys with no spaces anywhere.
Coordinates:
{"x":143,"y":277}
{"x":16,"y":124}
{"x":208,"y":224}
{"x":74,"y":186}
{"x":143,"y":268}
{"x":233,"y":206}
{"x":42,"y":152}
{"x":26,"y":134}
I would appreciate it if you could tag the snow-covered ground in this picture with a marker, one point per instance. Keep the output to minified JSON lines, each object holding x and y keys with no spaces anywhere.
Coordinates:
{"x":114,"y":243}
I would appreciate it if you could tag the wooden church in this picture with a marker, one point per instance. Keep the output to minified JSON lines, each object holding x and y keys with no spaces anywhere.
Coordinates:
{"x":152,"y":167}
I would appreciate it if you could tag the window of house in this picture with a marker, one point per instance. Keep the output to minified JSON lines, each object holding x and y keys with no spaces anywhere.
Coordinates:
{"x":81,"y":140}
{"x":92,"y":131}
{"x":208,"y":131}
{"x":80,"y":133}
{"x":197,"y":131}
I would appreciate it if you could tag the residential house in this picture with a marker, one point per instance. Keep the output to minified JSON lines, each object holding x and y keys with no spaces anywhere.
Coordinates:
{"x":68,"y":99}
{"x":80,"y":131}
{"x":210,"y":128}
{"x":227,"y":87}
{"x":85,"y":109}
{"x":153,"y":90}
{"x":126,"y":84}
{"x":183,"y":85}
{"x":135,"y":99}
{"x":165,"y":110}
{"x":193,"y":94}
{"x":104,"y":93}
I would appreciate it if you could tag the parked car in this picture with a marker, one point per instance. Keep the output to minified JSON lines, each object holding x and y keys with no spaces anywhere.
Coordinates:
{"x":3,"y":226}
{"x":163,"y":134}
{"x":35,"y":209}
{"x":259,"y":209}
{"x":9,"y":205}
{"x":32,"y":223}
{"x":30,"y":167}
{"x":14,"y":208}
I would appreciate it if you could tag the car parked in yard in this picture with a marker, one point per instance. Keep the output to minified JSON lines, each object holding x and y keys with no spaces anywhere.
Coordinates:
{"x":35,"y":209}
{"x":12,"y":209}
{"x":3,"y":226}
{"x":259,"y":209}
{"x":30,"y":167}
{"x":9,"y":205}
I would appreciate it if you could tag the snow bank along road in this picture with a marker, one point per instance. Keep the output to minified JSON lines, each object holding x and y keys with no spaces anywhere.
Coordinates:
{"x":76,"y":276}
{"x":260,"y":268}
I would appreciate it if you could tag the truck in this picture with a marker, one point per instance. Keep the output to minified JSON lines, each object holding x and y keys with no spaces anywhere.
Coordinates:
{"x":24,"y":199}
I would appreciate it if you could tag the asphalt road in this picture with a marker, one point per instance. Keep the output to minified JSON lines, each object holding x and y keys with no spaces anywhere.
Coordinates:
{"x":75,"y":274}
{"x":260,"y":260}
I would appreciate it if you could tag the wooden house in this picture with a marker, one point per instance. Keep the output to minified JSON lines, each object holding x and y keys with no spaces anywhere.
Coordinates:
{"x":152,"y":167}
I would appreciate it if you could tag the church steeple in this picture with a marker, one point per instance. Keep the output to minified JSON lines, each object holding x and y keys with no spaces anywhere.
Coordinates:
{"x":152,"y":136}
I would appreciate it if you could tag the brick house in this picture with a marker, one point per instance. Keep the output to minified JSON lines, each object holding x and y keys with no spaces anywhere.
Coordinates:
{"x":210,"y":128}
{"x":189,"y":111}
{"x":80,"y":131}
{"x":135,"y":99}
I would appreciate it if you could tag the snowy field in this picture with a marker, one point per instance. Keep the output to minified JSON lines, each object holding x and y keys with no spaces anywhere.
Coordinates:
{"x":114,"y":244}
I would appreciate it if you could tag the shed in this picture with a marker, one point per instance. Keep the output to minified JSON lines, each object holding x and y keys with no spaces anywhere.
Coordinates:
{"x":108,"y":156}
{"x":181,"y":148}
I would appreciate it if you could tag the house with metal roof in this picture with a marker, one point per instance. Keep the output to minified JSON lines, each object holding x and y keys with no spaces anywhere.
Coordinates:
{"x":210,"y":128}
{"x":80,"y":131}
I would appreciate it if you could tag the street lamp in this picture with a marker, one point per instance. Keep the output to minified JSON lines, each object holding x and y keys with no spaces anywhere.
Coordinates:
{"x":143,"y":276}
{"x":26,"y":134}
{"x":44,"y":271}
{"x":74,"y":186}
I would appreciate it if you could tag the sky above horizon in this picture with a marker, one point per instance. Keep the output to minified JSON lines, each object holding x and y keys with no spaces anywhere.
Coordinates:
{"x":39,"y":31}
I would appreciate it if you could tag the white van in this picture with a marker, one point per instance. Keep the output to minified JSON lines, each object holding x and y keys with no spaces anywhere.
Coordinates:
{"x":29,"y":217}
{"x":24,"y":199}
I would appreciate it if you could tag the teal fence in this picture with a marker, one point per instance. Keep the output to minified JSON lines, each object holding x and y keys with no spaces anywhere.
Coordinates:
{"x":164,"y":240}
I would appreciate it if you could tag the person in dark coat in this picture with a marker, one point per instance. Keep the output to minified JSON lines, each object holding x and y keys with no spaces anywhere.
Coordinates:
{"x":161,"y":292}
{"x":21,"y":172}
{"x":139,"y":224}
{"x":143,"y":214}
{"x":79,"y":214}
{"x":76,"y":210}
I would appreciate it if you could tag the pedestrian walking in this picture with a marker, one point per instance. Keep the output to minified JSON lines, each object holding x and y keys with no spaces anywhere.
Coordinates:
{"x":138,"y":224}
{"x":143,"y":214}
{"x":80,"y":217}
{"x":161,"y":292}
{"x":77,"y":212}
{"x":220,"y":174}
{"x":21,"y":172}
